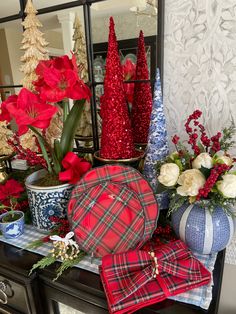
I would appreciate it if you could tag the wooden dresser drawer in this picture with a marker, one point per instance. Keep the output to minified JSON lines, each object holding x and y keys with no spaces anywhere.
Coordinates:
{"x":13,"y":295}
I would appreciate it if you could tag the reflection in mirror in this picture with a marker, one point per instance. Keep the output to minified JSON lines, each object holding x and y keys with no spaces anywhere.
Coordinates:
{"x":130,"y":17}
{"x":41,"y":4}
{"x":9,"y":8}
{"x":10,"y":53}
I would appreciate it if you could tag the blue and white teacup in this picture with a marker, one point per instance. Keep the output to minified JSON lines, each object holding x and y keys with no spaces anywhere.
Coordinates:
{"x":12,"y":229}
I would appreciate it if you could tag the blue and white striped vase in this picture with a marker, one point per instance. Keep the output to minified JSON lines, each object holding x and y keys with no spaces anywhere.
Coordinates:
{"x":202,"y":231}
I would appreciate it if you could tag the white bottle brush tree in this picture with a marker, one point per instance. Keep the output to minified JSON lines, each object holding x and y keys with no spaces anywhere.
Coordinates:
{"x":34,"y":45}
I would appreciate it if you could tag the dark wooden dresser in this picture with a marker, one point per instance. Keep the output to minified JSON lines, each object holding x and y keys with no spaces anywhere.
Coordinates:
{"x":78,"y":289}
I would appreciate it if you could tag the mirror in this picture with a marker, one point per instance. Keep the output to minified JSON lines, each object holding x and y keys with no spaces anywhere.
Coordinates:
{"x":58,"y":19}
{"x":8,"y":8}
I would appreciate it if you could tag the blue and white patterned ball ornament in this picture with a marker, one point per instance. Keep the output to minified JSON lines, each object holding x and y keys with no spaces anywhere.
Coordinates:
{"x":202,"y":231}
{"x":157,"y":148}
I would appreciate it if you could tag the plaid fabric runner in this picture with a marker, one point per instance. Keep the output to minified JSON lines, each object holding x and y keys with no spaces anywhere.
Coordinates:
{"x":129,"y":282}
{"x":112,"y":209}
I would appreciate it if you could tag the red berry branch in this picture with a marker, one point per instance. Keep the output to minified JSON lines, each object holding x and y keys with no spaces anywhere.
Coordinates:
{"x":216,"y":171}
{"x":31,"y":157}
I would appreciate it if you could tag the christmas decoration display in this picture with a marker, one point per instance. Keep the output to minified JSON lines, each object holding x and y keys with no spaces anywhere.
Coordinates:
{"x":157,"y":148}
{"x":85,"y":124}
{"x":118,"y":213}
{"x":135,"y":279}
{"x":34,"y":45}
{"x":142,"y":104}
{"x":116,"y":140}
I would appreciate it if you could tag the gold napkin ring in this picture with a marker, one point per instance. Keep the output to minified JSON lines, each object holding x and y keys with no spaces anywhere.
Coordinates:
{"x":155,"y":268}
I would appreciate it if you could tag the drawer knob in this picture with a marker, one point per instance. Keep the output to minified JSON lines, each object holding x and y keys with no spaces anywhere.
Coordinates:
{"x":3,"y":295}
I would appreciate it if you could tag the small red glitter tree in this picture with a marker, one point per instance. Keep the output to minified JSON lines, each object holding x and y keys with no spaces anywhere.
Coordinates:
{"x":116,"y":138}
{"x":142,"y":104}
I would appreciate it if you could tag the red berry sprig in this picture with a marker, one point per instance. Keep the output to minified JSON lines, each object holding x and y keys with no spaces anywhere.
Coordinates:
{"x":61,"y":226}
{"x":31,"y":157}
{"x":216,"y":171}
{"x":192,"y":133}
{"x":162,"y":235}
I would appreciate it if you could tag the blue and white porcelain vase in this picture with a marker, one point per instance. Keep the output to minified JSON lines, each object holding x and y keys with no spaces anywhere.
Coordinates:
{"x":203,"y":231}
{"x":45,"y":202}
{"x":12,"y":224}
{"x":157,"y":148}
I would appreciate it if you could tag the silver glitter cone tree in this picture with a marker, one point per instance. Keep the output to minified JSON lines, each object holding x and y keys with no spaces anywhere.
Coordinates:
{"x":157,"y":148}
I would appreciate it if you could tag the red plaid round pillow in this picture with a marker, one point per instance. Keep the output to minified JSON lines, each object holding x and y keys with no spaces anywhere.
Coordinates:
{"x":112,"y":209}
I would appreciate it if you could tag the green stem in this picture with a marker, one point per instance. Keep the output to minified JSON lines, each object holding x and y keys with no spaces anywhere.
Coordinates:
{"x":70,"y":127}
{"x":65,"y":109}
{"x":42,"y":143}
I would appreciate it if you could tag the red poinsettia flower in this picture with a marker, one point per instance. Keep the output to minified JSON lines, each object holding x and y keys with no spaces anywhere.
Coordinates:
{"x":11,"y":189}
{"x":5,"y":115}
{"x":75,"y":168}
{"x":30,"y":110}
{"x":59,"y":79}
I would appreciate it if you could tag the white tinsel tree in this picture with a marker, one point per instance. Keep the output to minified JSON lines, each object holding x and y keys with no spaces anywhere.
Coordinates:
{"x":34,"y":45}
{"x":85,"y":124}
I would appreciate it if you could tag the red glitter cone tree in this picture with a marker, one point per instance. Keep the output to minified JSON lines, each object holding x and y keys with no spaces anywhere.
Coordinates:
{"x":117,"y":139}
{"x":142,"y":104}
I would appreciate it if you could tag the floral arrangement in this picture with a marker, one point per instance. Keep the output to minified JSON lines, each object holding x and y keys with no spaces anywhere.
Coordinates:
{"x":57,"y":82}
{"x":204,"y":174}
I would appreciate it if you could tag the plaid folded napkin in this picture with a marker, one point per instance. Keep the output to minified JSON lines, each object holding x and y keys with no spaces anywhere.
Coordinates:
{"x":136,"y":279}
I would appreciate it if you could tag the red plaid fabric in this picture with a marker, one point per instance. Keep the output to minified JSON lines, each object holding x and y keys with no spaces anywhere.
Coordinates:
{"x":112,"y":209}
{"x":128,"y":278}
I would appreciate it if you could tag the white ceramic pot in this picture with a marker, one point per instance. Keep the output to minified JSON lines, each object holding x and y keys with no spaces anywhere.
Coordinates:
{"x":45,"y":202}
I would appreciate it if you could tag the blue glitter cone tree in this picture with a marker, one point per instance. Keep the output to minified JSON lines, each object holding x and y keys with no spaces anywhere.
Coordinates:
{"x":157,"y":148}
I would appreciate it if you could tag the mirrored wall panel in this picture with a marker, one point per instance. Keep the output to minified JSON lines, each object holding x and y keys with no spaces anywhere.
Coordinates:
{"x":7,"y":8}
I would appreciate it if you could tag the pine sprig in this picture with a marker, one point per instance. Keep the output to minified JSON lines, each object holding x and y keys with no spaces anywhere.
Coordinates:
{"x":68,"y":264}
{"x":176,"y":201}
{"x":35,"y":244}
{"x":227,"y":141}
{"x":44,"y":262}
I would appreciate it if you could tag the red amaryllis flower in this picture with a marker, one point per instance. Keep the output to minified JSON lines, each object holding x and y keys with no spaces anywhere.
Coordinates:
{"x":39,"y":71}
{"x":75,"y":168}
{"x":5,"y":115}
{"x":30,"y":110}
{"x":129,"y":73}
{"x":11,"y":189}
{"x":59,"y":79}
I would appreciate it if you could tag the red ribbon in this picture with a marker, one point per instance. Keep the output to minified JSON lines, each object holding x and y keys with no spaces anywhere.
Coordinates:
{"x":75,"y":168}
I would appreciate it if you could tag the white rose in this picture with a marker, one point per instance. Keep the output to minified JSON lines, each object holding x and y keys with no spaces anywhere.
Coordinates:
{"x":225,"y":159}
{"x":202,"y":160}
{"x":169,"y":174}
{"x":191,"y":181}
{"x":227,"y":186}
